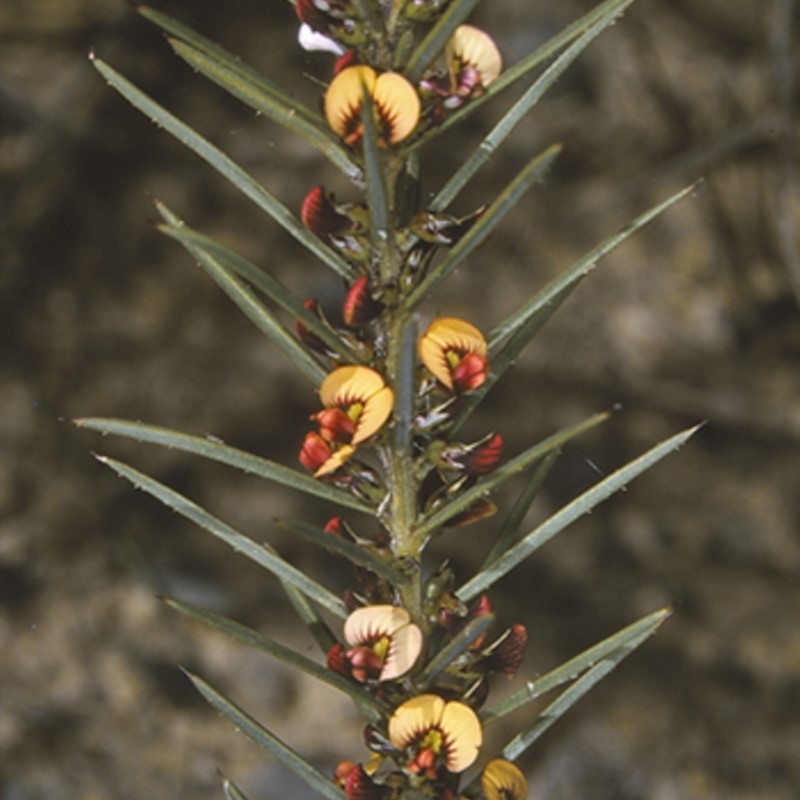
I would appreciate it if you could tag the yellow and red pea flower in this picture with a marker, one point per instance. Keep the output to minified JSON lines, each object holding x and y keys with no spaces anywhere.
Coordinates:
{"x":437,"y":732}
{"x":396,"y":103}
{"x":502,"y":780}
{"x":362,"y":394}
{"x":473,"y":49}
{"x":384,"y":644}
{"x":455,"y":351}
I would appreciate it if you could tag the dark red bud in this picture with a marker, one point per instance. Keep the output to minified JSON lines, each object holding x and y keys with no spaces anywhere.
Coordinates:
{"x":314,"y":452}
{"x":309,"y":339}
{"x":320,"y":216}
{"x":485,"y":457}
{"x":337,"y":660}
{"x":508,"y":652}
{"x":480,"y":509}
{"x":335,"y":526}
{"x":359,"y":307}
{"x":359,"y":785}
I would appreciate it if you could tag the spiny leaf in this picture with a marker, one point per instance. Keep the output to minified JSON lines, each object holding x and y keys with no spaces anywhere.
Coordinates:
{"x":257,"y":313}
{"x":499,"y":476}
{"x":616,"y":647}
{"x":262,"y":556}
{"x":470,"y":633}
{"x":285,"y":113}
{"x":355,"y":553}
{"x":484,"y":226}
{"x":377,"y":201}
{"x":223,"y":164}
{"x":511,"y":118}
{"x":510,"y":526}
{"x":285,"y":654}
{"x":231,"y":261}
{"x":568,"y":514}
{"x":604,"y":14}
{"x":224,"y":454}
{"x":231,"y":790}
{"x":268,"y":740}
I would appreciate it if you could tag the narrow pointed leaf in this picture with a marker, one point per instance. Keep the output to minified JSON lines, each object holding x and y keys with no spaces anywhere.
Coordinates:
{"x":510,"y":526}
{"x":254,"y":275}
{"x":523,"y":325}
{"x":455,"y":647}
{"x":511,"y":118}
{"x":258,"y":314}
{"x":354,"y":553}
{"x":568,"y":514}
{"x":285,"y":654}
{"x":377,"y":202}
{"x":219,"y":54}
{"x":231,"y":790}
{"x":223,"y":164}
{"x":224,"y":454}
{"x":615,"y":647}
{"x":268,"y":740}
{"x":310,"y":617}
{"x":436,"y":39}
{"x":499,"y":476}
{"x":284,"y":112}
{"x":480,"y":231}
{"x":552,"y":713}
{"x":577,"y":271}
{"x":604,"y":15}
{"x":228,"y":534}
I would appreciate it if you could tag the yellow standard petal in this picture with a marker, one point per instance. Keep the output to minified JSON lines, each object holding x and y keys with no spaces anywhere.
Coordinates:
{"x":403,"y":652}
{"x":463,"y":735}
{"x":414,"y":718}
{"x":398,"y":105}
{"x":447,"y":334}
{"x":502,"y":780}
{"x":375,"y":412}
{"x":347,"y":385}
{"x":344,"y":99}
{"x":371,"y":622}
{"x":470,"y":45}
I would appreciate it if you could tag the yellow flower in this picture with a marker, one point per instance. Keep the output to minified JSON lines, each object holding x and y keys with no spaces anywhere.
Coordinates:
{"x":384,"y":643}
{"x":362,"y":394}
{"x":472,"y":48}
{"x":437,"y":730}
{"x":455,"y":353}
{"x":502,"y":780}
{"x":396,"y":104}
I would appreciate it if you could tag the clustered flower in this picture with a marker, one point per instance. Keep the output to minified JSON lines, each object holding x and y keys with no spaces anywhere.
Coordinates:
{"x":432,"y":731}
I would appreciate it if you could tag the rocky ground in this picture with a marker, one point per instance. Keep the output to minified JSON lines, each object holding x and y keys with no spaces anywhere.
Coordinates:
{"x":695,"y":319}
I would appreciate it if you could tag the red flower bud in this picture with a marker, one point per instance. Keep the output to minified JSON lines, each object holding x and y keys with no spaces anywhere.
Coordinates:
{"x":309,"y":339}
{"x":483,"y":508}
{"x":485,"y":457}
{"x":337,"y":660}
{"x":507,"y":653}
{"x":319,"y":214}
{"x":314,"y":452}
{"x":359,"y":785}
{"x":359,"y":307}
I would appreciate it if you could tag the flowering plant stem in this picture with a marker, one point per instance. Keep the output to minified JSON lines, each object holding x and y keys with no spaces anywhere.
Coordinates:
{"x":414,"y":650}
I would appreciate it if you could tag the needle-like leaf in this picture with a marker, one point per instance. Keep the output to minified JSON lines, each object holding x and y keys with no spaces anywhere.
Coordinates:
{"x":480,"y":231}
{"x":499,"y":476}
{"x":262,"y":556}
{"x":282,"y":653}
{"x":231,"y":261}
{"x":216,"y":451}
{"x":223,"y":164}
{"x":292,"y":760}
{"x":568,"y":514}
{"x":617,"y":647}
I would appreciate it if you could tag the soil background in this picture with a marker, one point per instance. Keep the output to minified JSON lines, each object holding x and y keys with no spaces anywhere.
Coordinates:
{"x":694,"y":319}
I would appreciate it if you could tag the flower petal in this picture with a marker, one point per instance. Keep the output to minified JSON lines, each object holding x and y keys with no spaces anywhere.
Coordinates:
{"x":447,"y":334}
{"x":463,"y":735}
{"x":371,"y":622}
{"x":398,"y":105}
{"x":472,"y":46}
{"x":344,"y":99}
{"x":502,"y":780}
{"x":351,"y":384}
{"x":376,"y":411}
{"x":335,"y":461}
{"x":403,"y":652}
{"x":414,"y":717}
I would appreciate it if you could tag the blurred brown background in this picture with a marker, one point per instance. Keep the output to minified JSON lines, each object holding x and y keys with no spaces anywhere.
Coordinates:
{"x":695,"y":319}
